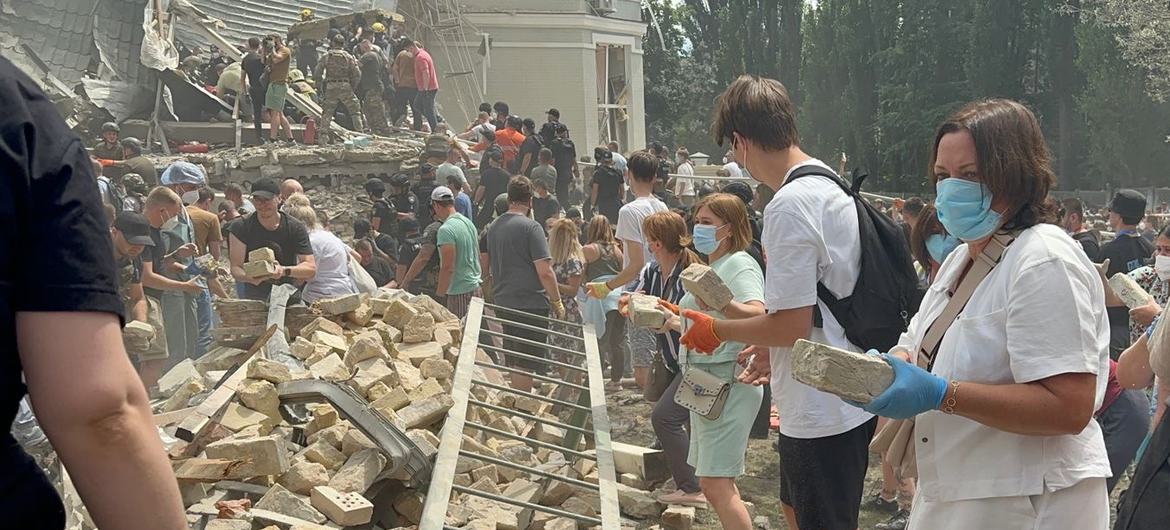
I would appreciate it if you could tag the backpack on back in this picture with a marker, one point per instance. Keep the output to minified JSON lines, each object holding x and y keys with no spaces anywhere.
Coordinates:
{"x":111,"y":193}
{"x":886,"y":294}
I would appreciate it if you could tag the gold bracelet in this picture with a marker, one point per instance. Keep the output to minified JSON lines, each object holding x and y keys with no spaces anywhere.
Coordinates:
{"x":950,"y":403}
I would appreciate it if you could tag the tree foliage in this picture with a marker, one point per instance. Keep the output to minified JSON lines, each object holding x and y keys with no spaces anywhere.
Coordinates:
{"x":874,"y":78}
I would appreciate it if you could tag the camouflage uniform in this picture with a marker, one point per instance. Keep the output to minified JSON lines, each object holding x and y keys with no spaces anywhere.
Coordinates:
{"x":106,"y":151}
{"x":136,"y":190}
{"x":341,"y":73}
{"x":372,"y":89}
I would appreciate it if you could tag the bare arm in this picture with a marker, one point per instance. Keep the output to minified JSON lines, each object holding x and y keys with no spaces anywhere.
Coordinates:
{"x":155,"y":280}
{"x":236,"y":252}
{"x":570,"y":289}
{"x":138,"y":308}
{"x":1061,"y":404}
{"x":479,"y":191}
{"x":376,"y":224}
{"x":305,"y":269}
{"x":446,"y":268}
{"x":526,"y":163}
{"x":593,"y":195}
{"x":781,"y":328}
{"x":736,"y":310}
{"x":548,"y":278}
{"x":95,"y":411}
{"x":1133,"y":367}
{"x":631,"y":271}
{"x":590,"y":253}
{"x":420,"y":261}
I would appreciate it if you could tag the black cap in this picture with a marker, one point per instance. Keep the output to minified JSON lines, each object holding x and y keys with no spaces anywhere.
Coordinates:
{"x":602,"y":153}
{"x":135,"y":228}
{"x":408,"y":225}
{"x":1128,"y":203}
{"x":374,"y":185}
{"x":573,"y":213}
{"x":554,"y":113}
{"x":426,"y":168}
{"x":741,"y":190}
{"x":265,"y":189}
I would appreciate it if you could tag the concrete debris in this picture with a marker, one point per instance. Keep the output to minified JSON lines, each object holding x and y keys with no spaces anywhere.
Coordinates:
{"x":262,"y":456}
{"x":638,"y":503}
{"x":283,"y":501}
{"x":228,"y":524}
{"x":339,"y":305}
{"x":1129,"y":291}
{"x":259,"y":395}
{"x":270,"y":371}
{"x":303,"y":476}
{"x":853,"y":376}
{"x":177,"y":377}
{"x":346,"y":509}
{"x":645,"y":311}
{"x":359,"y":472}
{"x":678,"y":517}
{"x":701,"y":281}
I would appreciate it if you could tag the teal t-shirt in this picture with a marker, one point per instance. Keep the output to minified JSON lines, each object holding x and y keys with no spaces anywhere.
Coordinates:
{"x":742,"y":275}
{"x":460,"y":231}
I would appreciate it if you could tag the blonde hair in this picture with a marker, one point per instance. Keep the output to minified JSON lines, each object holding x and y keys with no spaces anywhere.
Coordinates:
{"x":298,"y":199}
{"x":670,"y":229}
{"x":302,"y":213}
{"x":163,"y":196}
{"x":732,"y":211}
{"x":562,"y":241}
{"x":599,"y":230}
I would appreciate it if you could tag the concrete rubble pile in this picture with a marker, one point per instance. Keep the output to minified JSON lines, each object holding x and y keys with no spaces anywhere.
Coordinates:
{"x":263,"y":465}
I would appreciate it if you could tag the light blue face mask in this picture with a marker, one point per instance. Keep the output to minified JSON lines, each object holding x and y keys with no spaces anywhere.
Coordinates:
{"x":964,"y":208}
{"x":939,"y":246}
{"x":704,"y":237}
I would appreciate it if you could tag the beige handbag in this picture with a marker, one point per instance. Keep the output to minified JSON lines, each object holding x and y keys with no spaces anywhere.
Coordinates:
{"x":895,"y":441}
{"x":702,"y":393}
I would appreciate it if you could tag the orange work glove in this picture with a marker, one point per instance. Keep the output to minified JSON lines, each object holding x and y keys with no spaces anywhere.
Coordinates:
{"x":700,"y":336}
{"x":668,"y":306}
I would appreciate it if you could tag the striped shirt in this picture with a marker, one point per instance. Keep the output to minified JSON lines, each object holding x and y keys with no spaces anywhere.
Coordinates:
{"x":651,"y":283}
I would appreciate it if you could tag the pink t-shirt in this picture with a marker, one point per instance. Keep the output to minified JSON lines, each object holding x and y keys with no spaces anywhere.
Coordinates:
{"x":424,"y":71}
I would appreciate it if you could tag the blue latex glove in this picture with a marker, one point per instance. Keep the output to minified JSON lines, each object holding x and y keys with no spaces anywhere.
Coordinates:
{"x":913,"y":391}
{"x":1153,"y":326}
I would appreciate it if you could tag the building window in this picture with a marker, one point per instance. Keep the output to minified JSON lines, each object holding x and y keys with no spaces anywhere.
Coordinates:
{"x":613,"y":93}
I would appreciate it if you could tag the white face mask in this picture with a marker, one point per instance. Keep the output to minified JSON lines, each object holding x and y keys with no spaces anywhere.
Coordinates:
{"x":1162,"y":267}
{"x":170,"y":224}
{"x":191,"y":197}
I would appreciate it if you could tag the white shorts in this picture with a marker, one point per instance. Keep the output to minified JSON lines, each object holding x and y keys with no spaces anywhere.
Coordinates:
{"x":1083,"y":506}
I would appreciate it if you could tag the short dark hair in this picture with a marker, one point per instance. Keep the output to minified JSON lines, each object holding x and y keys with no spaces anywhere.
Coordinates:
{"x":454,"y":182}
{"x":1072,"y":205}
{"x":913,"y":206}
{"x":760,"y":110}
{"x":501,"y":108}
{"x":233,"y":188}
{"x":514,"y":122}
{"x":519,"y":190}
{"x":545,"y":155}
{"x":529,"y":124}
{"x":206,"y":194}
{"x":485,"y":107}
{"x":226,"y":206}
{"x":361,"y":227}
{"x":253,"y":42}
{"x":643,"y":166}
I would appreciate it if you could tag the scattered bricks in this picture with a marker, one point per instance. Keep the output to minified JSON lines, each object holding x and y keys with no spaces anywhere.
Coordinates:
{"x":428,"y":388}
{"x":322,"y":324}
{"x":409,"y":377}
{"x":437,"y":368}
{"x":678,"y":517}
{"x":560,"y":523}
{"x":410,"y":506}
{"x":331,"y":368}
{"x":632,"y":480}
{"x":322,"y":453}
{"x":650,"y":464}
{"x":701,"y":281}
{"x":426,"y":412}
{"x":379,"y":305}
{"x":377,"y":391}
{"x":853,"y":376}
{"x":333,"y":342}
{"x":321,"y":353}
{"x":486,"y":472}
{"x":399,"y":313}
{"x":339,"y":305}
{"x":262,"y":456}
{"x":331,"y":435}
{"x":354,"y":441}
{"x":219,"y":358}
{"x":556,"y":493}
{"x":502,"y":423}
{"x":282,"y":501}
{"x":394,"y":400}
{"x":1129,"y":291}
{"x":424,"y":438}
{"x":238,"y":417}
{"x":303,"y":476}
{"x":228,"y":524}
{"x":420,"y":328}
{"x":443,"y":337}
{"x":418,"y":352}
{"x":359,"y":472}
{"x":637,"y":503}
{"x":371,"y":372}
{"x":578,"y":506}
{"x":302,"y":349}
{"x":462,"y":479}
{"x":390,"y":334}
{"x":182,"y":396}
{"x":486,"y":485}
{"x":324,"y":416}
{"x":438,"y":311}
{"x":271,"y":371}
{"x":345,"y":509}
{"x":177,"y":377}
{"x":262,"y":254}
{"x":547,"y":433}
{"x":528,"y":404}
{"x":360,"y":316}
{"x":259,"y":269}
{"x":467,"y":464}
{"x":137,"y":336}
{"x":584,"y":466}
{"x":259,"y":395}
{"x":453,"y":328}
{"x":645,"y":311}
{"x":363,"y":348}
{"x":761,"y":522}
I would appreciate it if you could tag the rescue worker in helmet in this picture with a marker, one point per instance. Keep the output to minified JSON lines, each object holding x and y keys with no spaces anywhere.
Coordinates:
{"x":108,"y":147}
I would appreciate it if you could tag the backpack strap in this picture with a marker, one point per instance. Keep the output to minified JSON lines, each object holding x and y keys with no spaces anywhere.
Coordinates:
{"x":809,"y":170}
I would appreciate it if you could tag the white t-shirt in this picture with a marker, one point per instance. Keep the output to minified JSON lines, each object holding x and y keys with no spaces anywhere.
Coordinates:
{"x":685,"y":187}
{"x":629,"y":226}
{"x":1039,"y":313}
{"x":810,"y":236}
{"x":733,"y":169}
{"x":332,"y":257}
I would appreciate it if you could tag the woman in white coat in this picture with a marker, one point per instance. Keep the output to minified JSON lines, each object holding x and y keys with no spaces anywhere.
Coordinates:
{"x":1005,"y":435}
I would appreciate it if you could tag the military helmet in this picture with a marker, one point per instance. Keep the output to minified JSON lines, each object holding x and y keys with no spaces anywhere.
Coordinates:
{"x":110,"y":126}
{"x":400,"y":180}
{"x":339,"y":40}
{"x":133,"y":183}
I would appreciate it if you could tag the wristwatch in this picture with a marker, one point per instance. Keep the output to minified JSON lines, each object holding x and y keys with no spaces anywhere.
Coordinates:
{"x":287,"y":272}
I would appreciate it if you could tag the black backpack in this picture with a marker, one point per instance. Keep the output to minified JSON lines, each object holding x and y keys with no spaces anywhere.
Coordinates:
{"x":886,"y":294}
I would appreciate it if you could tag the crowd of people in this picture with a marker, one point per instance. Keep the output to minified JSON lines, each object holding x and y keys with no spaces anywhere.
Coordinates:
{"x":1021,"y":385}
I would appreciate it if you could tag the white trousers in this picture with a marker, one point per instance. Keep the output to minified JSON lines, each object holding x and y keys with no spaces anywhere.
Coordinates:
{"x":1083,"y":506}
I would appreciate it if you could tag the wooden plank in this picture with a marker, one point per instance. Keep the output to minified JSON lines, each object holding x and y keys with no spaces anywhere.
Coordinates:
{"x":170,"y":418}
{"x":198,"y":422}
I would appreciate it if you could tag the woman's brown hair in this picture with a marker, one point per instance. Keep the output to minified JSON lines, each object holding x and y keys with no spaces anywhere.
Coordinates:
{"x":733,"y":212}
{"x":599,"y":230}
{"x":670,"y":229}
{"x":926,"y":226}
{"x":1014,"y":160}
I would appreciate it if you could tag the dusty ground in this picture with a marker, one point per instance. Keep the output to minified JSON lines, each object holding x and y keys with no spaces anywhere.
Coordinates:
{"x":629,"y":415}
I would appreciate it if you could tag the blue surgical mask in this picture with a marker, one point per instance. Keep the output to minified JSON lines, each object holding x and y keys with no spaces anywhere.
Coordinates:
{"x":704,"y":237}
{"x":964,"y":208}
{"x":940,"y":246}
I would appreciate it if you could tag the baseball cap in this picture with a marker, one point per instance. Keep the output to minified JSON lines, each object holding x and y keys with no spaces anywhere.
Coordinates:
{"x":442,"y":193}
{"x":741,"y":190}
{"x":265,"y":189}
{"x":135,"y":228}
{"x":183,"y":172}
{"x":425,"y":168}
{"x":408,"y":225}
{"x":554,"y":113}
{"x":1128,"y":203}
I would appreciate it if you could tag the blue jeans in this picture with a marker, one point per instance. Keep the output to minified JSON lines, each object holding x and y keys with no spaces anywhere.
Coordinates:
{"x":204,"y":319}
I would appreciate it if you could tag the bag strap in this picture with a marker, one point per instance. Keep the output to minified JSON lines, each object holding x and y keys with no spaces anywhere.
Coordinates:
{"x":982,"y":266}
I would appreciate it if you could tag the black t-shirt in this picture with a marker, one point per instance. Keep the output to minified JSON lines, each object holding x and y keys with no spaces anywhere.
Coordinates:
{"x":609,"y":184}
{"x":1091,"y":242}
{"x":388,"y":245}
{"x":401,"y":203}
{"x":383,"y":211}
{"x":380,"y":270}
{"x":289,"y":240}
{"x":1125,"y":253}
{"x":422,"y":193}
{"x":495,"y":181}
{"x":154,"y":255}
{"x":55,"y":256}
{"x":564,"y":154}
{"x":543,"y":209}
{"x":531,"y":146}
{"x":253,"y":67}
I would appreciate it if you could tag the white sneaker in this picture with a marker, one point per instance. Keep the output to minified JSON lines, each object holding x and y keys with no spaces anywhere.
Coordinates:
{"x":683,"y":498}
